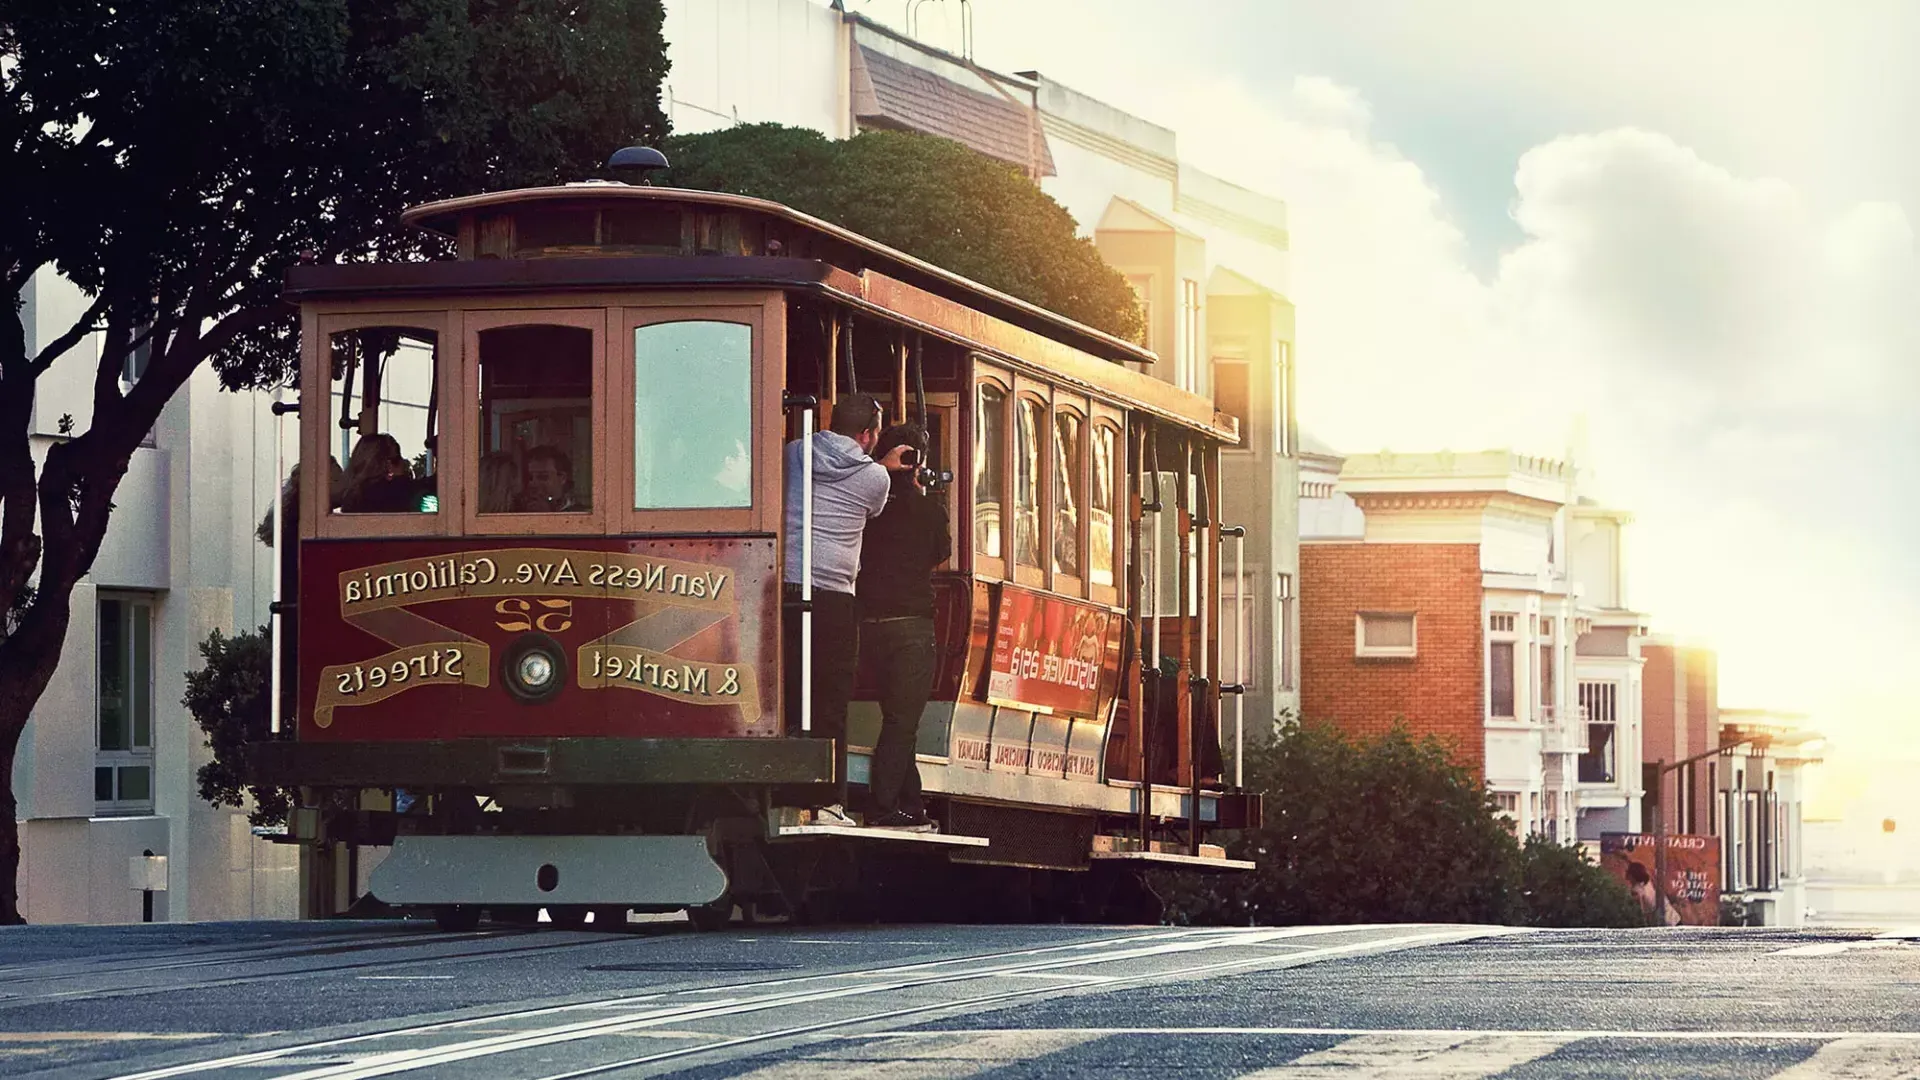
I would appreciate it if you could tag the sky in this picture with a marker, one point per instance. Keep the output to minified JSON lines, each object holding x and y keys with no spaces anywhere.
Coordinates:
{"x":1691,"y":225}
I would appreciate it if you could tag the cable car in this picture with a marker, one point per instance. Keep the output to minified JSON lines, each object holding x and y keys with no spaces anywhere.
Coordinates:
{"x":530,"y":635}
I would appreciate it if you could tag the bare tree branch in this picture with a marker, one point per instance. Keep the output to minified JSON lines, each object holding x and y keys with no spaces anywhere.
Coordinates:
{"x":58,"y":347}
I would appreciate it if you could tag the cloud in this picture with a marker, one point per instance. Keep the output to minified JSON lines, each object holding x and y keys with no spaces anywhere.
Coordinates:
{"x":1743,"y":353}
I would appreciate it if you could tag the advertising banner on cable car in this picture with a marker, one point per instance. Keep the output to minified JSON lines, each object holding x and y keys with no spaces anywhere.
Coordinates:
{"x":1049,"y":654}
{"x":430,"y":639}
{"x":1692,"y":885}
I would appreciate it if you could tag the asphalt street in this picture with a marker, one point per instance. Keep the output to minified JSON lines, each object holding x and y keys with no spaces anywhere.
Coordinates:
{"x":339,"y":1000}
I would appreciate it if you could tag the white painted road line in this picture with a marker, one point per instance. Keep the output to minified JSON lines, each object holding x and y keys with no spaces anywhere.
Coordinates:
{"x":1835,"y":948}
{"x":1428,"y":1055}
{"x":1859,"y":1058}
{"x":953,"y":1058}
{"x":1904,"y":1038}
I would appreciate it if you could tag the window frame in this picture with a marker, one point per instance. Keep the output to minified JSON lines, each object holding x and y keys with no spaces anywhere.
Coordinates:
{"x":133,"y":756}
{"x":1076,"y":407}
{"x":592,"y":523}
{"x":1108,"y":417}
{"x":990,"y":566}
{"x":765,"y":316}
{"x":317,"y":423}
{"x":1362,"y":650}
{"x":1283,"y":630}
{"x":1027,"y":390}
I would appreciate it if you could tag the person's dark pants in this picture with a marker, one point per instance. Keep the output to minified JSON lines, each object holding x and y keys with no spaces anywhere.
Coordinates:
{"x":836,"y":655}
{"x":899,"y":652}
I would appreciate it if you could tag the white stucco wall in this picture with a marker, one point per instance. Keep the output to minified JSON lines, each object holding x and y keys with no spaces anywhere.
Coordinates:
{"x":181,"y":536}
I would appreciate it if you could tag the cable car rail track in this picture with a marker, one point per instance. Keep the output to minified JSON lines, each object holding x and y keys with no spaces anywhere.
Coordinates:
{"x":13,"y":979}
{"x":1057,"y":969}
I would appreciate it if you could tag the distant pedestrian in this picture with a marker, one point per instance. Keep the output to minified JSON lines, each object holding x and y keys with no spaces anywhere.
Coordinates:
{"x":849,"y":489}
{"x":903,"y":546}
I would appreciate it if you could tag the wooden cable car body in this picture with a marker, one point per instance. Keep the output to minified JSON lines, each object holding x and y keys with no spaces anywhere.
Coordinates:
{"x":667,"y":344}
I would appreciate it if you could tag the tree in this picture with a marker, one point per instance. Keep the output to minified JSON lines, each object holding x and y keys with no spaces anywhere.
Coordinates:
{"x":931,"y":198}
{"x":1390,"y":829}
{"x":229,"y":698}
{"x":173,"y":157}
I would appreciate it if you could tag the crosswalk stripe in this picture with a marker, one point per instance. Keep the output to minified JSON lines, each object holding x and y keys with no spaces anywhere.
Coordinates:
{"x":1429,"y":1055}
{"x":953,"y":1057}
{"x":1865,"y":1058}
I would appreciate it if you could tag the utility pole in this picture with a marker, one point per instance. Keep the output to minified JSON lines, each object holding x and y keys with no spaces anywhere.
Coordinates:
{"x":1660,"y":771}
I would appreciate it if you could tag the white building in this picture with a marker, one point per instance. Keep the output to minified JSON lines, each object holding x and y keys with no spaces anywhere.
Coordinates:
{"x":106,"y":768}
{"x":1607,"y":667}
{"x":1759,"y":799}
{"x":1208,"y":258}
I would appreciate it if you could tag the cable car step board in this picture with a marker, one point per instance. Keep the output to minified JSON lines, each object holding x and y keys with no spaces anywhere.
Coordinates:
{"x":1168,"y":858}
{"x":854,"y":832}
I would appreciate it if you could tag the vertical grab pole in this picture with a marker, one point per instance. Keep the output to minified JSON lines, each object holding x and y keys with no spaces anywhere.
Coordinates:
{"x":1241,"y":625}
{"x":806,"y":570}
{"x":279,"y":530}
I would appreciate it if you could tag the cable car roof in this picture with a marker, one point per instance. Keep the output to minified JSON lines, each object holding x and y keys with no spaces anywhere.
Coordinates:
{"x":445,"y":218}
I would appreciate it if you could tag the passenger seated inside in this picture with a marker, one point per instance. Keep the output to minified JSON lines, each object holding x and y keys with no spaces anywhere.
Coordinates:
{"x":379,"y":480}
{"x":499,"y":483}
{"x":548,"y":483}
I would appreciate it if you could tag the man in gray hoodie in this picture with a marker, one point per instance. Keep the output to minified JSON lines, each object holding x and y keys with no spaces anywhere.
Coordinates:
{"x":849,"y":488}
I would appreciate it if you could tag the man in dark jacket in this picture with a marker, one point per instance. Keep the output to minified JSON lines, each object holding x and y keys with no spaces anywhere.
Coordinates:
{"x":897,"y":558}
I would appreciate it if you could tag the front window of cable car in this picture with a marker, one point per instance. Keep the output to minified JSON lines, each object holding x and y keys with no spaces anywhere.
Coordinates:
{"x":383,"y":416}
{"x":692,"y":415}
{"x":535,"y":439}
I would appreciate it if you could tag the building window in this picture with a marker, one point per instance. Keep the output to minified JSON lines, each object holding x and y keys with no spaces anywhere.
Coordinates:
{"x":1508,"y":802}
{"x":1500,"y":679}
{"x":1186,"y":364}
{"x":1283,"y":398}
{"x":1384,"y":633}
{"x":123,"y":718}
{"x":1546,"y":681}
{"x":1500,"y":622}
{"x":1283,"y":627}
{"x":1599,"y":700}
{"x":1238,"y":611}
{"x":1230,"y":394}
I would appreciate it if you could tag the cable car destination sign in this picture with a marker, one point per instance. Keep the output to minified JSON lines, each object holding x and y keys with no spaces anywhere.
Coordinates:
{"x":533,"y":589}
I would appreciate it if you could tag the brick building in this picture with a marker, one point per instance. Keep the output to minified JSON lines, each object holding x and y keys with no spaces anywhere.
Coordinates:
{"x":1434,"y":589}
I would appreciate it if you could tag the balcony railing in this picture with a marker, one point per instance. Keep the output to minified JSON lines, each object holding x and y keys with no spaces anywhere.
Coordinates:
{"x":1563,"y":732}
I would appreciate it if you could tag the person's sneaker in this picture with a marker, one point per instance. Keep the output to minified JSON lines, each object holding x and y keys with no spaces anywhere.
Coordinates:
{"x":905,"y":822}
{"x":834,"y":815}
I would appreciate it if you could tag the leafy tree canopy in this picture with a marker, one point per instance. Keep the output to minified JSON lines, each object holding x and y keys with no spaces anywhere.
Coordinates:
{"x":173,"y":157}
{"x":931,"y":198}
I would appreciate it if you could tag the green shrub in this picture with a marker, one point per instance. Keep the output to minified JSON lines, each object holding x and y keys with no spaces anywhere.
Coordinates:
{"x":228,"y":698}
{"x":1560,"y":886}
{"x":1388,"y":829}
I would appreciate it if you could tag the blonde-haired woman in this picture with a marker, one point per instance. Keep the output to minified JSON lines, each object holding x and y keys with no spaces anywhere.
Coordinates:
{"x":379,"y":480}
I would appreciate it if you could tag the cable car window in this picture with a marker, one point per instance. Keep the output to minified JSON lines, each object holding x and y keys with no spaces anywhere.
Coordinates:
{"x":382,"y":420}
{"x":692,"y":415}
{"x":1069,"y":493}
{"x":536,"y":420}
{"x":1100,"y":510}
{"x":989,"y":470}
{"x":1027,"y":435}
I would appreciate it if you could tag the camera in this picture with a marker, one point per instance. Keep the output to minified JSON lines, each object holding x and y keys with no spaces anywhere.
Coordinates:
{"x":924,"y":476}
